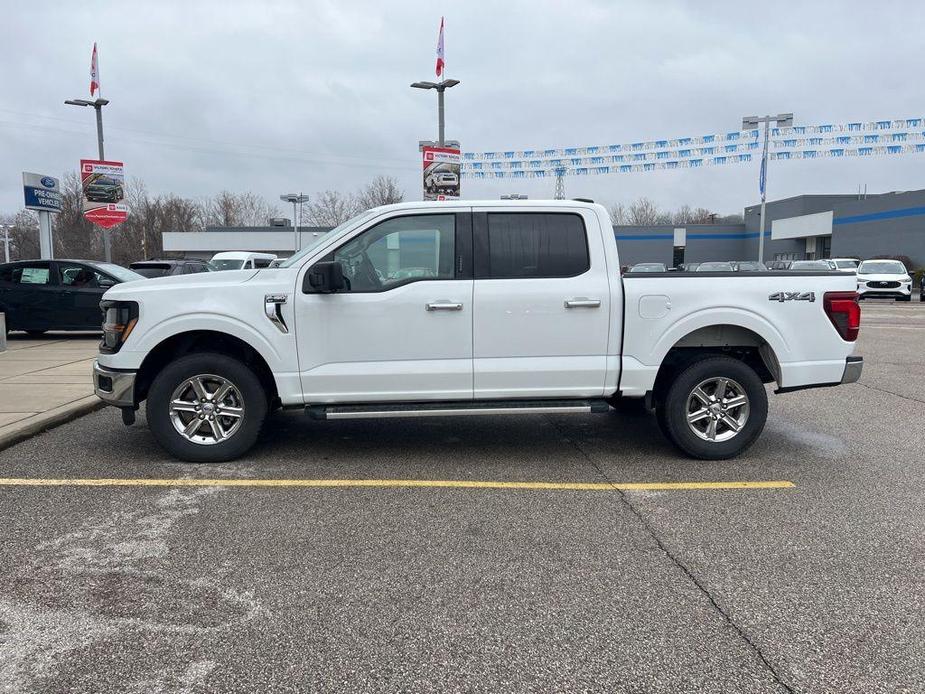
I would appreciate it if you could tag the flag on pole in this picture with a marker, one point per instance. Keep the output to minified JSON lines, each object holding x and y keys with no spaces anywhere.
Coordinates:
{"x":440,"y":62}
{"x":94,"y":72}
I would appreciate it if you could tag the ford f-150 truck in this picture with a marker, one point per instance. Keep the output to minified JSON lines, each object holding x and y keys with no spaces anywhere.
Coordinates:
{"x":470,"y":308}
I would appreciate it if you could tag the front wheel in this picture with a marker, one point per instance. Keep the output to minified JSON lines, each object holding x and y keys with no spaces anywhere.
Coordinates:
{"x":715,"y":409}
{"x":206,"y":408}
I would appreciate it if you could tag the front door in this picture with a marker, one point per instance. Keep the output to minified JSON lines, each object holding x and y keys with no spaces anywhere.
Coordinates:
{"x":402,"y":328}
{"x":542,"y":305}
{"x":81,"y":288}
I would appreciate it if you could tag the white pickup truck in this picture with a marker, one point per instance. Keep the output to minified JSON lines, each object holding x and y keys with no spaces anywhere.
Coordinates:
{"x":470,"y":308}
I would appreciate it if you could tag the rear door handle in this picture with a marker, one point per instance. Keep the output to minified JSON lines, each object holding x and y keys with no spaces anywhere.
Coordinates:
{"x":582,"y":302}
{"x":443,"y":306}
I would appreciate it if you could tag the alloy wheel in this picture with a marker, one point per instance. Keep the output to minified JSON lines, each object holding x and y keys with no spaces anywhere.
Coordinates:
{"x":717,"y":409}
{"x":206,"y":409}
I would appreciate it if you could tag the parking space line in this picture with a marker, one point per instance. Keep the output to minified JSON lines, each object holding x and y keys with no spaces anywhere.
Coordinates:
{"x":461,"y":484}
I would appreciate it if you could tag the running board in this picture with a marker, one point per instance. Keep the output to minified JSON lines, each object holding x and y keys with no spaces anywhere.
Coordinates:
{"x":456,"y":409}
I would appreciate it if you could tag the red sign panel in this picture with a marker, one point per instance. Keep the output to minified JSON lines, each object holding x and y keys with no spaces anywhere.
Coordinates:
{"x":103,"y":185}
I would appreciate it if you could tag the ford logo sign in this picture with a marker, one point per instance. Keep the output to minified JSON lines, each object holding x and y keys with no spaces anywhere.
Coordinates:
{"x":48,"y":181}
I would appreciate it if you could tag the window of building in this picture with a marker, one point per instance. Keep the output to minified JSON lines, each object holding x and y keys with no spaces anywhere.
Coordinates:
{"x":528,"y":244}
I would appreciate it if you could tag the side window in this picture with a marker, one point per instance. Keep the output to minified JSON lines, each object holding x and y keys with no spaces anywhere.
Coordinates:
{"x":533,"y":244}
{"x":399,"y":251}
{"x":262,"y":262}
{"x":6,"y":274}
{"x":38,"y":273}
{"x":79,"y":276}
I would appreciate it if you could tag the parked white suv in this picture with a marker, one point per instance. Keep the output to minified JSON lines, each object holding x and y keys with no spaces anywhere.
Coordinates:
{"x":884,"y":278}
{"x":470,"y":308}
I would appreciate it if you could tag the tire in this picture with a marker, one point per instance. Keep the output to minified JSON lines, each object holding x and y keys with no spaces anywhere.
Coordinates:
{"x":177,"y":382}
{"x":750,"y":416}
{"x":905,"y":298}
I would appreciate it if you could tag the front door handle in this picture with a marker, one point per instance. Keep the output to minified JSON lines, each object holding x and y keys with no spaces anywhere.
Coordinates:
{"x":443,"y":306}
{"x":582,"y":302}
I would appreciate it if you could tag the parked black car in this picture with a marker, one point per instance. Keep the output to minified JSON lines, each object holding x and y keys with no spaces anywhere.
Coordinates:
{"x":40,"y":295}
{"x":163,"y":268}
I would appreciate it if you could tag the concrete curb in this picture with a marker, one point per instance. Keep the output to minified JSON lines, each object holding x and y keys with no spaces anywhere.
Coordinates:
{"x":42,"y":422}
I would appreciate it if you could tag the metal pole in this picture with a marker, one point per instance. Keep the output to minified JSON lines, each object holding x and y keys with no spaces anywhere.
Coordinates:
{"x":46,"y":247}
{"x":295,"y":223}
{"x":107,"y":234}
{"x":440,"y":138}
{"x":6,"y":243}
{"x":764,"y":164}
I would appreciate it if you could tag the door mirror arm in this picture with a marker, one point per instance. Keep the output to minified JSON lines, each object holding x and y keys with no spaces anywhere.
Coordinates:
{"x":325,"y":277}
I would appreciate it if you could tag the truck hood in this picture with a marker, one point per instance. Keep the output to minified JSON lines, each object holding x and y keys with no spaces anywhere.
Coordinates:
{"x":196,"y":282}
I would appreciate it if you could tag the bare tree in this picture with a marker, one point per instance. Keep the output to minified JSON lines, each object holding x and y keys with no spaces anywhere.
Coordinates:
{"x":382,"y":190}
{"x":330,"y":208}
{"x":24,"y":235}
{"x":618,"y":213}
{"x":227,"y":209}
{"x":643,"y":211}
{"x":74,"y":236}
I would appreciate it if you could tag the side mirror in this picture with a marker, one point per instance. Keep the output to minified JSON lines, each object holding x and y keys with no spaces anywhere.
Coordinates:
{"x":324,"y":278}
{"x":105,"y":283}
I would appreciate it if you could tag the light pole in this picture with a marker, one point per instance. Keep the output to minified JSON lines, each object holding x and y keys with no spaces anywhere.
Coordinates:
{"x":6,"y":242}
{"x":98,"y":106}
{"x":440,"y":87}
{"x":782,"y":120}
{"x":295,"y":199}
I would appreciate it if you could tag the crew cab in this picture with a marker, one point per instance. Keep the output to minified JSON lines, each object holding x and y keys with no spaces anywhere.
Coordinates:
{"x":521,"y":309}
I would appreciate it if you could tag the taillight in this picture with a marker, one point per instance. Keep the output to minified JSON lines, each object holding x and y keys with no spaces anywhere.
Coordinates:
{"x":843,"y":310}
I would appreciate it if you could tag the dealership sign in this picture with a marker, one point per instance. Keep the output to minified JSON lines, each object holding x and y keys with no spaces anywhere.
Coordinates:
{"x":441,"y":173}
{"x":103,"y":184}
{"x":42,"y":193}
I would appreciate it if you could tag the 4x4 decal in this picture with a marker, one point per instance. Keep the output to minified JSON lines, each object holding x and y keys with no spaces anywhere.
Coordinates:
{"x":792,"y":296}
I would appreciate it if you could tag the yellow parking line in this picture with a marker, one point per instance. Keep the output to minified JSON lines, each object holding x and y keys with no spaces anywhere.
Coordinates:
{"x":463,"y":484}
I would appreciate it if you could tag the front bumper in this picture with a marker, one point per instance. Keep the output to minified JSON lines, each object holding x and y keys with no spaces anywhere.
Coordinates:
{"x":114,"y":387}
{"x":899,"y":292}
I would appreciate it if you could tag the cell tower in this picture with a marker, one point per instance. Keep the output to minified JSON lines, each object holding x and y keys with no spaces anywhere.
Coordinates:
{"x":560,"y":184}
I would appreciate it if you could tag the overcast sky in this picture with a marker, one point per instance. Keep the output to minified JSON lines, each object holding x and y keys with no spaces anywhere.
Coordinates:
{"x":276,"y":97}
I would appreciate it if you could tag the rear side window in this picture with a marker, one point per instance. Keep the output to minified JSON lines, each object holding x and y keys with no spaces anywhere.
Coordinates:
{"x":262,"y":262}
{"x":27,"y":274}
{"x":533,"y":244}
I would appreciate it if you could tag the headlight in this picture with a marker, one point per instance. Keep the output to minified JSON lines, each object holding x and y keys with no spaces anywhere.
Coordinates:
{"x":119,"y":319}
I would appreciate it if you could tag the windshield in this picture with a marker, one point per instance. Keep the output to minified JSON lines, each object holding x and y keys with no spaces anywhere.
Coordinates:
{"x":846,"y":264}
{"x":810,"y":265}
{"x":227,"y":264}
{"x":648,"y":267}
{"x":882,"y":267}
{"x":714,"y":267}
{"x":123,"y":274}
{"x":152,"y":270}
{"x":749,"y":266}
{"x":351,"y":223}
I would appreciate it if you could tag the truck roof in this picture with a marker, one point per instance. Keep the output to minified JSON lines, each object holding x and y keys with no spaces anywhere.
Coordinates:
{"x":572,"y":204}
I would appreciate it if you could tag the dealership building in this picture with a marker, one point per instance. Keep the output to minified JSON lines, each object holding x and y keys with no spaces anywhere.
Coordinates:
{"x":798,"y":228}
{"x":805,"y":227}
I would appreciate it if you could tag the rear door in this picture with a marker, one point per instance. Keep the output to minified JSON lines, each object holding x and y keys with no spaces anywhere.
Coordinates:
{"x":28,"y":295}
{"x":541,"y":304}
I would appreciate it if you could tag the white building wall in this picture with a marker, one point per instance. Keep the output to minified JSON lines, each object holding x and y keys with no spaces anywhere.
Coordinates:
{"x":804,"y":226}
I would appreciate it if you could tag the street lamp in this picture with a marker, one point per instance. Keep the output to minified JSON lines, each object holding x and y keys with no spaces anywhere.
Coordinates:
{"x":295,"y":199}
{"x":98,"y":106}
{"x":440,"y":87}
{"x":782,"y":120}
{"x":6,"y":241}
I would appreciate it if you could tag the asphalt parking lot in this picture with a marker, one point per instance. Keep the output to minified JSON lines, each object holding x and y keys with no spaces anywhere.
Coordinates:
{"x":814,"y":587}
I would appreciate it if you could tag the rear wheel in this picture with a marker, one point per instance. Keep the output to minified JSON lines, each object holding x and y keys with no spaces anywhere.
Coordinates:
{"x":714,"y":409}
{"x":206,"y":408}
